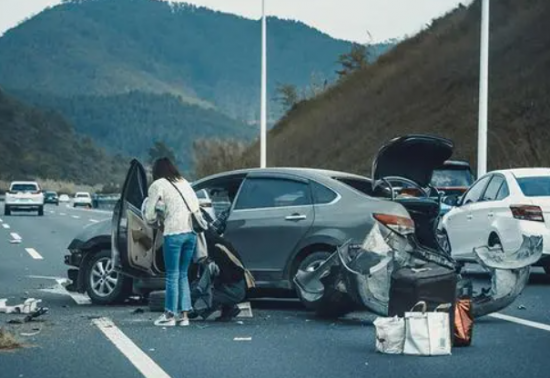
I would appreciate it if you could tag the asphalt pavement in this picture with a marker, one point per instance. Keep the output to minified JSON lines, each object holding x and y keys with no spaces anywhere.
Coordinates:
{"x":281,"y":339}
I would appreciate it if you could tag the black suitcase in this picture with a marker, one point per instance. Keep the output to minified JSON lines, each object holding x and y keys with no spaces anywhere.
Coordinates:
{"x":430,"y":283}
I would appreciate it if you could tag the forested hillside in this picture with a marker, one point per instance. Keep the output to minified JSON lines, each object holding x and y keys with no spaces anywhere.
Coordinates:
{"x":429,"y":84}
{"x":129,"y":124}
{"x":41,"y":144}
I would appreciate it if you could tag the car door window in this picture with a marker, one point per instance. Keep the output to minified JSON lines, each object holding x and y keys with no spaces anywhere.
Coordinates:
{"x":475,"y":192}
{"x":503,"y":192}
{"x":261,"y":193}
{"x":493,"y":188}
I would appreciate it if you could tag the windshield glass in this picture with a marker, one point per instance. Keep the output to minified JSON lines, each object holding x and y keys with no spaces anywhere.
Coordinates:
{"x":451,"y":177}
{"x":24,"y":188}
{"x":535,"y":186}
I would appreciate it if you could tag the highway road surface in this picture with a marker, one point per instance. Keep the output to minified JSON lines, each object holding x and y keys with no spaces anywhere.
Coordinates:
{"x":280,"y":339}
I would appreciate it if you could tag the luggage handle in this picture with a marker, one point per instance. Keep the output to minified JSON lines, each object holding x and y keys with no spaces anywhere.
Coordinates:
{"x":445,"y":307}
{"x":420,"y":270}
{"x":421,"y":303}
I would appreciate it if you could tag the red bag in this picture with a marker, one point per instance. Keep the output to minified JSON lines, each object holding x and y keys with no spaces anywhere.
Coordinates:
{"x":463,"y":323}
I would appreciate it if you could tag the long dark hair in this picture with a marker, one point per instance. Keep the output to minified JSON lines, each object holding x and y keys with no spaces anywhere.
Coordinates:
{"x":164,"y":168}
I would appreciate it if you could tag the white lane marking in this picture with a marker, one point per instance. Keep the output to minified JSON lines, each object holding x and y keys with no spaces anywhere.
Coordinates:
{"x":528,"y":323}
{"x":15,"y":236}
{"x":94,"y":220}
{"x":34,"y":254}
{"x":75,"y":216}
{"x":1,"y":221}
{"x":52,"y":212}
{"x":137,"y":357}
{"x":5,"y":225}
{"x":60,"y":288}
{"x":62,"y":214}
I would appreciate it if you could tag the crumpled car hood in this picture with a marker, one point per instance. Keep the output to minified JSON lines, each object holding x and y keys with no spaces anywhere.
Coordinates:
{"x":414,"y":157}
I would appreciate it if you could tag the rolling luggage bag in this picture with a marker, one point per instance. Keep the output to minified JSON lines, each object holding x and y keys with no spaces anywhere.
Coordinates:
{"x":429,"y":283}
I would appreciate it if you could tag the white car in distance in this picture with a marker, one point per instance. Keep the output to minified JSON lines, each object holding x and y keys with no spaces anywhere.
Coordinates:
{"x":82,"y":199}
{"x":64,"y":198}
{"x":24,"y":196}
{"x":498,"y":209}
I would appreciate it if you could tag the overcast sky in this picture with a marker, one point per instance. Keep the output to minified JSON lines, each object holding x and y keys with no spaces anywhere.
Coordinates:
{"x":345,"y":19}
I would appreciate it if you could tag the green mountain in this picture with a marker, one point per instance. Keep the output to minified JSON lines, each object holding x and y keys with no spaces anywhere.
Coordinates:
{"x":105,"y":47}
{"x":129,"y":124}
{"x":41,"y":144}
{"x":429,"y":84}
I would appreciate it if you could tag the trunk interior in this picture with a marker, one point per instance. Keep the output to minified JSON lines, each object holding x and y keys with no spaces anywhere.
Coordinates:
{"x":424,"y":212}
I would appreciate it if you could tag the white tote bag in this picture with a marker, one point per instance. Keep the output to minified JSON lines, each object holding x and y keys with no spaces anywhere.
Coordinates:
{"x":428,"y":333}
{"x":390,"y":335}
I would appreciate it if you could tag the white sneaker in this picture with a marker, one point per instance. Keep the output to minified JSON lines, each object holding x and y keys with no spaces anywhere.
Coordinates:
{"x":184,"y":322}
{"x":165,"y":321}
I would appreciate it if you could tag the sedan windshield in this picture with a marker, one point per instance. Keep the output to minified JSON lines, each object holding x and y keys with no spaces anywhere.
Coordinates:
{"x":535,"y":186}
{"x":451,"y":178}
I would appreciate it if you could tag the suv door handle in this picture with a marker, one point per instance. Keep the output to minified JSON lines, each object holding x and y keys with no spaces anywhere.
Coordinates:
{"x":295,"y":217}
{"x":491,"y":215}
{"x":470,"y":217}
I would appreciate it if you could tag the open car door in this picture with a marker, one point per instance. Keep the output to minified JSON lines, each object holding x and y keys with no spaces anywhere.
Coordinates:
{"x":135,"y":243}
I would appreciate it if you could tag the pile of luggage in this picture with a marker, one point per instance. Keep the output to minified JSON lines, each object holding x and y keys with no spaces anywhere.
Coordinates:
{"x":430,"y":311}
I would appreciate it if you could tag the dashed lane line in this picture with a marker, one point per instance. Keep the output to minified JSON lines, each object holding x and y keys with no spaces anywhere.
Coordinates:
{"x":6,"y":226}
{"x":128,"y":348}
{"x":15,"y":236}
{"x":528,"y":323}
{"x":60,"y":289}
{"x":62,"y":214}
{"x":1,"y":221}
{"x":75,"y":216}
{"x":94,"y":220}
{"x":34,"y":254}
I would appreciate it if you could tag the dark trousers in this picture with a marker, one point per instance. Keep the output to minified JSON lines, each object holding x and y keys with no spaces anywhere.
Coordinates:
{"x":229,"y":295}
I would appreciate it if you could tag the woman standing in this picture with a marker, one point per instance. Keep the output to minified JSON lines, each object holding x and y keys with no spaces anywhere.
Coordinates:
{"x":166,"y":196}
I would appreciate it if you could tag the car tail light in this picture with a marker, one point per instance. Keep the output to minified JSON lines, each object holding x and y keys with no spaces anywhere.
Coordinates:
{"x":401,"y":225}
{"x":527,"y":212}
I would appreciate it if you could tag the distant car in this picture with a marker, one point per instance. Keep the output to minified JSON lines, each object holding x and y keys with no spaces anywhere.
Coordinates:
{"x":206,"y":203}
{"x":497,"y":210}
{"x":64,"y":198}
{"x":24,"y":196}
{"x":82,"y":199}
{"x":51,"y":197}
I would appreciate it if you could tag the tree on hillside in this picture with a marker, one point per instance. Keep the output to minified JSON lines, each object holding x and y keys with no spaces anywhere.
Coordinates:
{"x":354,"y":60}
{"x":160,"y":150}
{"x":214,"y":155}
{"x":287,"y":95}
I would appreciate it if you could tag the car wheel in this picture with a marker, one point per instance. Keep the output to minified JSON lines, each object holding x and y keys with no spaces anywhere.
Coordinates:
{"x":103,"y":284}
{"x":41,"y":211}
{"x":309,"y":264}
{"x":7,"y":210}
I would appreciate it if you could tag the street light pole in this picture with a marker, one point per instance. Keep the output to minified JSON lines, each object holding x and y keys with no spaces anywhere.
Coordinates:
{"x":263,"y":126}
{"x":483,"y":91}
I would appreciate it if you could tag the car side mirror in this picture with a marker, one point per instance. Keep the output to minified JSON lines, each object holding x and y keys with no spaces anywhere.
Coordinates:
{"x":453,"y":201}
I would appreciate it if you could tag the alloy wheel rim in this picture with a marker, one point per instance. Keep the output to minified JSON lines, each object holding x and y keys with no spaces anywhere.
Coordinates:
{"x":104,"y":278}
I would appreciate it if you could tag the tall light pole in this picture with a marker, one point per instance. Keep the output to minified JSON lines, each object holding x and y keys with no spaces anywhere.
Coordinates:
{"x":483,"y":91}
{"x":263,"y":126}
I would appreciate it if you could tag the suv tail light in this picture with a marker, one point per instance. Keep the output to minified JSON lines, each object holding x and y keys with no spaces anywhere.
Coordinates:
{"x":527,"y":212}
{"x":401,"y":225}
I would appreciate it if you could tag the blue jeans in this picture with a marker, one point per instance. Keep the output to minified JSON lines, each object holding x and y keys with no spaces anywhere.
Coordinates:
{"x":178,"y":253}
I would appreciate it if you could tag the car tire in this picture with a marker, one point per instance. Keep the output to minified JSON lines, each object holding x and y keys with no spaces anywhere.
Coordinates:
{"x":156,"y":301}
{"x":105,"y":291}
{"x":7,"y":210}
{"x":41,"y":211}
{"x":309,"y":263}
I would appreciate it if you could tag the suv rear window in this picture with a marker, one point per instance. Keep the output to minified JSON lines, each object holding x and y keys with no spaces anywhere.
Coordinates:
{"x":82,"y":195}
{"x":452,"y":177}
{"x":24,"y":188}
{"x":535,"y":186}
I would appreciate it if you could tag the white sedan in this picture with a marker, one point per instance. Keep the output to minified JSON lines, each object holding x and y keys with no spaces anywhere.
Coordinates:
{"x":498,"y":209}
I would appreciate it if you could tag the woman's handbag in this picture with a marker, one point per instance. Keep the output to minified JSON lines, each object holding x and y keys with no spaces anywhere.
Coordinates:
{"x":390,"y":335}
{"x":198,"y":223}
{"x":428,"y":333}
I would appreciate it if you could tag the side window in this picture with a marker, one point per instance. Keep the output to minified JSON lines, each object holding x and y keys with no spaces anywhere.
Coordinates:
{"x":260,"y":193}
{"x":222,"y":192}
{"x":322,"y":194}
{"x":476,"y":191}
{"x":134,"y":193}
{"x":503,"y":192}
{"x":493,"y":188}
